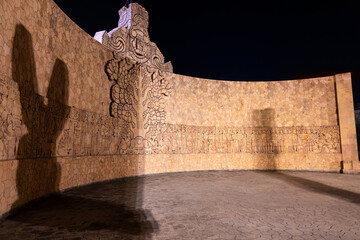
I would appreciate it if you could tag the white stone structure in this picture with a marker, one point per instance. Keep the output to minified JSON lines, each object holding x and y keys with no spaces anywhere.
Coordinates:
{"x":124,"y":21}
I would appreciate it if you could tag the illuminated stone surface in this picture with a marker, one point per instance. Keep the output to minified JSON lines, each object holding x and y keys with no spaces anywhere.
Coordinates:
{"x":57,"y":85}
{"x":199,"y":205}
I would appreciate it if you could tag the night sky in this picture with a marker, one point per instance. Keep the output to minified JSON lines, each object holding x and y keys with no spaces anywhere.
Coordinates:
{"x":243,"y":40}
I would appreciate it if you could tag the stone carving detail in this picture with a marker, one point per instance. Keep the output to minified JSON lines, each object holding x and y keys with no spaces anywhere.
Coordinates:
{"x":89,"y":134}
{"x":131,"y":38}
{"x":155,"y":89}
{"x":183,"y":139}
{"x":135,"y":96}
{"x":124,"y":75}
{"x":138,"y":100}
{"x":137,"y":70}
{"x":117,"y":42}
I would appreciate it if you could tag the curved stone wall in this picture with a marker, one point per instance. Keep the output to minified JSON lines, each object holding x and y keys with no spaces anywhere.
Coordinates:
{"x":57,"y":85}
{"x":53,"y":89}
{"x":253,"y":125}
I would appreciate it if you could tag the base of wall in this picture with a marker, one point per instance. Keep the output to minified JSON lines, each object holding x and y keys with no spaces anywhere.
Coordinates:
{"x":35,"y":201}
{"x":350,"y":167}
{"x":77,"y":171}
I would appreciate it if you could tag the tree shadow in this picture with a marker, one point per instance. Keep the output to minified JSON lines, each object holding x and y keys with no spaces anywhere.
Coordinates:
{"x":39,"y":173}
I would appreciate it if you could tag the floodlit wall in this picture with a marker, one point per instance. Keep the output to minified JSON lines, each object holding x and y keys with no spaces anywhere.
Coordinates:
{"x":53,"y":89}
{"x":72,"y":112}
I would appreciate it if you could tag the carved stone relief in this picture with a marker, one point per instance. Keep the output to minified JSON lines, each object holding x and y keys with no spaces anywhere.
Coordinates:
{"x":137,"y":71}
{"x":125,"y":76}
{"x":183,"y":139}
{"x":137,"y":98}
{"x":155,"y":88}
{"x":90,"y":134}
{"x":139,"y":95}
{"x":131,"y":38}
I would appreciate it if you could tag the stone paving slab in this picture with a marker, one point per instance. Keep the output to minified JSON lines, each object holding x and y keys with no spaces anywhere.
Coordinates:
{"x":198,"y":205}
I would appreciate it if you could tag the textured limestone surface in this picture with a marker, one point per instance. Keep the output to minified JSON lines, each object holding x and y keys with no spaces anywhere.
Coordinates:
{"x":74,"y":111}
{"x":48,"y":68}
{"x":44,"y":34}
{"x":199,"y":205}
{"x":347,"y":122}
{"x":308,"y":102}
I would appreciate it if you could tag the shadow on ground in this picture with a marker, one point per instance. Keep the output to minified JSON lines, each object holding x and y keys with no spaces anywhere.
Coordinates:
{"x":114,"y":213}
{"x":314,"y":186}
{"x":100,"y":210}
{"x":198,"y":205}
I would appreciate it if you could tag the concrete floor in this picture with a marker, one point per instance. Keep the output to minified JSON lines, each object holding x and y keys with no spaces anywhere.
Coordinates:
{"x":198,"y":205}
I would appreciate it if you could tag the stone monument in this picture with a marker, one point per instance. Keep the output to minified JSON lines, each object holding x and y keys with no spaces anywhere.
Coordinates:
{"x":119,"y":110}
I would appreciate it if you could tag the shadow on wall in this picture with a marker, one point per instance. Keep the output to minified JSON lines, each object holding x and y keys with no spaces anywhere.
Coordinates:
{"x":39,"y":173}
{"x":264,"y":143}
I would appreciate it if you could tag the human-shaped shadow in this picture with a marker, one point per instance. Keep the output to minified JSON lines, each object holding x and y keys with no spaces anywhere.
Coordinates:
{"x":38,"y":172}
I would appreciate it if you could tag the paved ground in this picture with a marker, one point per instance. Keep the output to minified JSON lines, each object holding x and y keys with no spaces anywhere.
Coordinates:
{"x":199,"y":205}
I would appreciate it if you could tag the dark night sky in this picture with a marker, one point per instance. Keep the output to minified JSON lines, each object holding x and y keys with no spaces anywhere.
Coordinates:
{"x":243,"y":40}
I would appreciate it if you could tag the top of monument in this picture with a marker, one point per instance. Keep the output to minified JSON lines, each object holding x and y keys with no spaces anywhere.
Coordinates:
{"x":131,"y":38}
{"x":125,"y":16}
{"x":128,"y":15}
